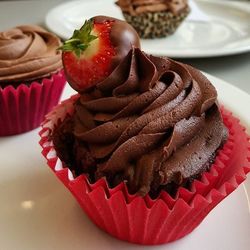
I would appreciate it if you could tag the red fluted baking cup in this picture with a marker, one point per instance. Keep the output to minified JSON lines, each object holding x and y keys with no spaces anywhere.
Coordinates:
{"x":24,"y":108}
{"x":143,"y":220}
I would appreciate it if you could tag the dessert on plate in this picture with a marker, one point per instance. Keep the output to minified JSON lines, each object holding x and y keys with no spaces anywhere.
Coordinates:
{"x":31,"y":77}
{"x":144,"y":146}
{"x":154,"y":18}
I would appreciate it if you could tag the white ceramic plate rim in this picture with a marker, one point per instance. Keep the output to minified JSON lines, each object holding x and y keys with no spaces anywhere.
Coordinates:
{"x":53,"y":22}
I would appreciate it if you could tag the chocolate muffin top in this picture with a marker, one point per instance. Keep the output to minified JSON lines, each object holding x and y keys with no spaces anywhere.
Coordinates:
{"x":136,"y":7}
{"x":28,"y":53}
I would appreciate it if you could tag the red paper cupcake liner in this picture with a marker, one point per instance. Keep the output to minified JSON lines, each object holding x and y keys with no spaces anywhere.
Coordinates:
{"x":143,"y":220}
{"x":24,"y":108}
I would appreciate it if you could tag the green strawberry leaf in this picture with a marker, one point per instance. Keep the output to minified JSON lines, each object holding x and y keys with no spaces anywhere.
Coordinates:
{"x":80,"y":40}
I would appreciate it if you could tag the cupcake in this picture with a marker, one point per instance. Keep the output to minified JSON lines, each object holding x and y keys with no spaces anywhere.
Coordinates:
{"x":145,"y":148}
{"x":154,"y":18}
{"x":31,"y":77}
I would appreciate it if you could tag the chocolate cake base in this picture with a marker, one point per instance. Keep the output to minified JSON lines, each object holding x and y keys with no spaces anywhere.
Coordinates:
{"x":156,"y":24}
{"x":17,"y":83}
{"x":68,"y":149}
{"x":172,"y":188}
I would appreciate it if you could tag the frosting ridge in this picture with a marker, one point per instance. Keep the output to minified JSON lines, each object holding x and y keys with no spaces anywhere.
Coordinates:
{"x":137,"y":7}
{"x":28,"y":52}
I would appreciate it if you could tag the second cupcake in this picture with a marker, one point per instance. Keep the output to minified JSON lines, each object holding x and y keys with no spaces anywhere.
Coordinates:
{"x":31,"y":77}
{"x":154,"y":18}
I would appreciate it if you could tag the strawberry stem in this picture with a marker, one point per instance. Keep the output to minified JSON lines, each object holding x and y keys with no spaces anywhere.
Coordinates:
{"x":72,"y":40}
{"x":80,"y":40}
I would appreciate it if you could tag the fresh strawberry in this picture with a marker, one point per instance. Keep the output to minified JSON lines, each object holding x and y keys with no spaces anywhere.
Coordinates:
{"x":91,"y":53}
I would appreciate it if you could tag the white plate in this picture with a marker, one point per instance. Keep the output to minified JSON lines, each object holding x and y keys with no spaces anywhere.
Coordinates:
{"x":225,"y":31}
{"x":37,"y":212}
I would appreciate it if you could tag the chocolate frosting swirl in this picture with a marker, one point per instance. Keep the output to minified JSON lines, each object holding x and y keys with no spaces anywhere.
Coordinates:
{"x":28,"y":53}
{"x":152,"y":122}
{"x":137,"y":7}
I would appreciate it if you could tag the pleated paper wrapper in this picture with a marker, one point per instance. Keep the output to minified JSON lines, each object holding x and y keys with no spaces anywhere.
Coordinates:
{"x":24,"y":108}
{"x":143,"y":220}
